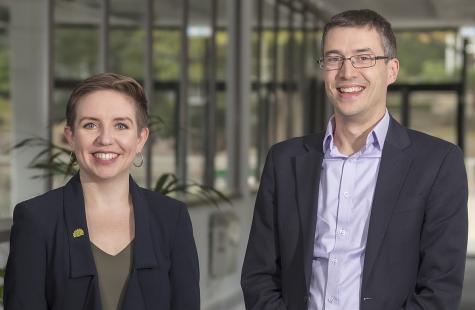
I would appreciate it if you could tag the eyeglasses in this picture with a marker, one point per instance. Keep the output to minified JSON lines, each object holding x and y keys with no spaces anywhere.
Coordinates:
{"x":335,"y":62}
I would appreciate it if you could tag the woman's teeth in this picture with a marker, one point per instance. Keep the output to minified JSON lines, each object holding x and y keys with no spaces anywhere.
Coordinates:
{"x":105,"y":156}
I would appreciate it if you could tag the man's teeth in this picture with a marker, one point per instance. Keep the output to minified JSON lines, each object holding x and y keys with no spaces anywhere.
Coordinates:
{"x":351,"y":89}
{"x":105,"y":156}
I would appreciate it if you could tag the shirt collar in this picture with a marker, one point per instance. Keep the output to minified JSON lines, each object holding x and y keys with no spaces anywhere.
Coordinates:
{"x":377,"y":136}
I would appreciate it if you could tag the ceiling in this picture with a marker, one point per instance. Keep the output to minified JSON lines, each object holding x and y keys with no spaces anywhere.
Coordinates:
{"x":409,"y":13}
{"x":401,"y":13}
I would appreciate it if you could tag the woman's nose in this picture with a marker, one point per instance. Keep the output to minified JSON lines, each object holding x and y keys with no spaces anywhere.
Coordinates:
{"x":105,"y":136}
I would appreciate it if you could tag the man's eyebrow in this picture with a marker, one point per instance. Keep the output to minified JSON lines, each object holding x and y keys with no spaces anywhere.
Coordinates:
{"x":333,"y":52}
{"x":364,"y":50}
{"x":357,"y":51}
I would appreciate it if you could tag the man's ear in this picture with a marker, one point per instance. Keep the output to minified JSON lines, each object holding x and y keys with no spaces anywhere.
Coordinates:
{"x":393,"y":70}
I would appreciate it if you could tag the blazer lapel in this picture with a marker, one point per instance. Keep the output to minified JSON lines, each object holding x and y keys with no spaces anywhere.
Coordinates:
{"x":81,"y":289}
{"x":144,"y":254}
{"x":393,"y":170}
{"x":307,"y":174}
{"x":138,"y":296}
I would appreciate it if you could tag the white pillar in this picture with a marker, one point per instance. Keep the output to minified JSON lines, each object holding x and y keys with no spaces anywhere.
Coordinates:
{"x":239,"y":93}
{"x":30,"y":72}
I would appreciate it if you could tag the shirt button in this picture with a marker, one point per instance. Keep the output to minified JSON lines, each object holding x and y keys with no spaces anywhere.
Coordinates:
{"x":342,"y":232}
{"x":333,"y":260}
{"x":332,"y":299}
{"x":346,"y":194}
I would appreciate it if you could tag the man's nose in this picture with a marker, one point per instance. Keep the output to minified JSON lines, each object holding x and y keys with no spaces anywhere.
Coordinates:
{"x":347,"y":71}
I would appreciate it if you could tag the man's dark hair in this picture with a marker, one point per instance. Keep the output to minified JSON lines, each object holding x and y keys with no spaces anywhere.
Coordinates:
{"x":365,"y":18}
{"x":109,"y":81}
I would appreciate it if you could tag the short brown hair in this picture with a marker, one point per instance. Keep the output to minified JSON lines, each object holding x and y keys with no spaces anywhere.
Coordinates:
{"x":109,"y":81}
{"x":365,"y":18}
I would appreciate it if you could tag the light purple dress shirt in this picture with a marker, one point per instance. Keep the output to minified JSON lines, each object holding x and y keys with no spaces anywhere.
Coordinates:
{"x":345,"y":196}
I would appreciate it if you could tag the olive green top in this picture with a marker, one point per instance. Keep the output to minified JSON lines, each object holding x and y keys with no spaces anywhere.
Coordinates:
{"x":113,"y":273}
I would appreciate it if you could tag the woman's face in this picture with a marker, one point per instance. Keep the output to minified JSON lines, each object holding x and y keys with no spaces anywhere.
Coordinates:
{"x":105,"y":137}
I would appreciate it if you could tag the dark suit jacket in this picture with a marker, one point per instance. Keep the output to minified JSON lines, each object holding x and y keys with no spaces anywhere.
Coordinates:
{"x":416,"y":247}
{"x":48,"y":268}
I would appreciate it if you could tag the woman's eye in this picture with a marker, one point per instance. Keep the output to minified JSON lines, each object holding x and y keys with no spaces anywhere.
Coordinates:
{"x":121,"y":126}
{"x":89,"y":125}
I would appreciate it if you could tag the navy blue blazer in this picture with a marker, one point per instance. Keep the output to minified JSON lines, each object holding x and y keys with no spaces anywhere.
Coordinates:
{"x":49,"y":268}
{"x":417,"y":238}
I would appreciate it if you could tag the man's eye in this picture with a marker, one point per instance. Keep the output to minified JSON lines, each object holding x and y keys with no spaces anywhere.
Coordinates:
{"x":121,"y":126}
{"x":333,"y":59}
{"x":364,"y":57}
{"x":89,"y":126}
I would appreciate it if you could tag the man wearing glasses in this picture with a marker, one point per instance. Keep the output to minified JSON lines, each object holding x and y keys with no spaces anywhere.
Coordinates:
{"x":368,"y":215}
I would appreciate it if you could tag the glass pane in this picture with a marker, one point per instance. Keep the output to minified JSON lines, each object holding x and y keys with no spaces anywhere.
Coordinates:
{"x":431,"y":56}
{"x":126,"y":50}
{"x":435,"y":114}
{"x":221,"y":157}
{"x":166,"y":50}
{"x":163,"y":132}
{"x":394,"y":105}
{"x":5,"y":145}
{"x":75,"y":51}
{"x":470,"y":141}
{"x":5,"y":126}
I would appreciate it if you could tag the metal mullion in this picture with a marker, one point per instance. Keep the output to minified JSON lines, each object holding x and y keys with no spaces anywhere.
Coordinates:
{"x":104,"y":36}
{"x":148,"y":81}
{"x":290,"y":76}
{"x":50,"y":77}
{"x":236,"y":180}
{"x":262,"y":120}
{"x":321,"y":106}
{"x":182,"y":130}
{"x":275,"y":61}
{"x":303,"y":75}
{"x":210,"y":115}
{"x":460,"y":120}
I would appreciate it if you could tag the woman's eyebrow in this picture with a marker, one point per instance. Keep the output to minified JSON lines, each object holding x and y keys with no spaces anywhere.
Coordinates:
{"x":123,"y":119}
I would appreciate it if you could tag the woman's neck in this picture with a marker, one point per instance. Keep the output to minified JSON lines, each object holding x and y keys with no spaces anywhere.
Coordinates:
{"x":106,"y":194}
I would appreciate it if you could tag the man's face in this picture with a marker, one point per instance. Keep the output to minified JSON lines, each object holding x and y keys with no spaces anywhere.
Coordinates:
{"x":358,"y":94}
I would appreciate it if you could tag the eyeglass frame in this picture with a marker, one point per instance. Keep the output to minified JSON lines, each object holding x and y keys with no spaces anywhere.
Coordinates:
{"x":343,"y":59}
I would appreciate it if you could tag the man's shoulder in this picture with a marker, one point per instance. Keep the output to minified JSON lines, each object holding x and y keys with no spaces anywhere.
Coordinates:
{"x":298,"y":145}
{"x":427,"y":143}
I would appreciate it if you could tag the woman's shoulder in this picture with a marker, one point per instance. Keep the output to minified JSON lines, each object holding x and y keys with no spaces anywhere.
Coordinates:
{"x":49,"y":201}
{"x":160,"y":201}
{"x":161,"y":208}
{"x":40,"y":211}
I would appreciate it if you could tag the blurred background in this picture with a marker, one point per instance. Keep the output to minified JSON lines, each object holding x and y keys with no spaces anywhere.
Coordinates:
{"x":225,"y":80}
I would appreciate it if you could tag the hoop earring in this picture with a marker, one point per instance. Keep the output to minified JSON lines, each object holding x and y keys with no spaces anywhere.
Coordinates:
{"x":141,"y":160}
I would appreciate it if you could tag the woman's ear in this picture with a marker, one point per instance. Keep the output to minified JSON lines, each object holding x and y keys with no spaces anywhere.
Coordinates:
{"x":68,"y":134}
{"x":143,"y":136}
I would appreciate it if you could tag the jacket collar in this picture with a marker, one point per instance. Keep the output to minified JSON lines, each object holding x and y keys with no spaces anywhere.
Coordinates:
{"x":80,"y":253}
{"x":307,"y":173}
{"x":394,"y":167}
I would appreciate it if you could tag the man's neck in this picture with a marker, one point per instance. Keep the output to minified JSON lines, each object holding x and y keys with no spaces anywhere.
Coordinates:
{"x":350,"y":135}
